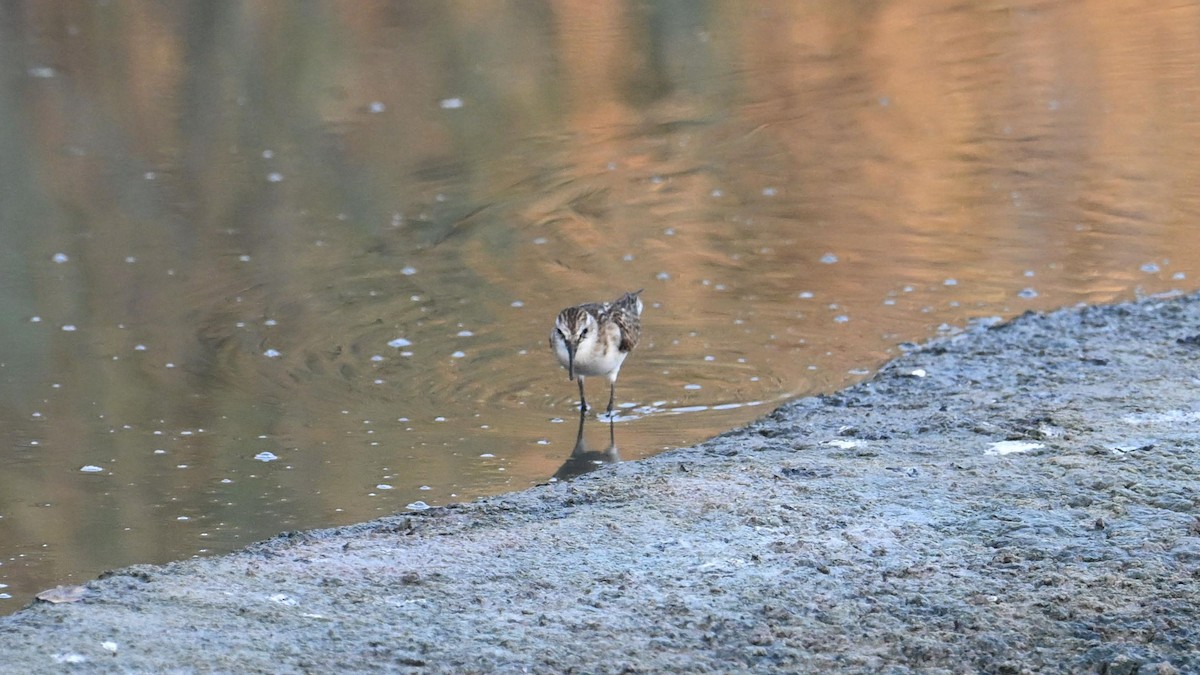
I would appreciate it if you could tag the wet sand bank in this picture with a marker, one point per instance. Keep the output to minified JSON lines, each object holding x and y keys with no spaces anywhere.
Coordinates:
{"x":1017,"y":498}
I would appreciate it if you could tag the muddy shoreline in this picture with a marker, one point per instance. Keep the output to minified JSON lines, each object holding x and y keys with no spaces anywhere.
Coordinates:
{"x":1020,"y":497}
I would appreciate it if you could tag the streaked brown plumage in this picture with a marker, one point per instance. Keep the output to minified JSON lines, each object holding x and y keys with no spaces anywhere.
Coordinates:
{"x":593,"y":339}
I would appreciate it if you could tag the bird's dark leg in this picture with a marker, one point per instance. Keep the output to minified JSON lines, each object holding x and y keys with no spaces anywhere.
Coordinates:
{"x":612,"y":393}
{"x":583,"y":406}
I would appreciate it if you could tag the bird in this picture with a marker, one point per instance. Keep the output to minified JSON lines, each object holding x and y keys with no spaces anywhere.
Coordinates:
{"x":593,"y":339}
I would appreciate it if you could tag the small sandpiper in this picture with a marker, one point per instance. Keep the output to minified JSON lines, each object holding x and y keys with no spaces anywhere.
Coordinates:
{"x":594,"y":338}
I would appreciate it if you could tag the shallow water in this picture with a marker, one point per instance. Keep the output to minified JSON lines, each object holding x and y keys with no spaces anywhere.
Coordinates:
{"x":269,"y":267}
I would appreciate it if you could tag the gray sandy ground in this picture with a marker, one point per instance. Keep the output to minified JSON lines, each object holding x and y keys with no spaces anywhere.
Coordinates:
{"x":864,"y":531}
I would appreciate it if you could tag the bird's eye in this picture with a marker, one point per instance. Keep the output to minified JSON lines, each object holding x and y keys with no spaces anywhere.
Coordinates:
{"x":583,"y":333}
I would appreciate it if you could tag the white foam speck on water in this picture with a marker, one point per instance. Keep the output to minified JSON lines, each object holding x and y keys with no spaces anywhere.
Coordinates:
{"x":842,"y":443}
{"x":829,"y":258}
{"x":692,"y":386}
{"x":70,"y":328}
{"x":458,"y":355}
{"x":383,"y":486}
{"x":950,"y":282}
{"x":60,"y":258}
{"x":451,"y":103}
{"x":408,"y":270}
{"x":91,"y":468}
{"x":919,"y":372}
{"x":399,"y":342}
{"x":464,"y":333}
{"x":1151,"y":268}
{"x":1011,"y":447}
{"x":417,"y":506}
{"x":272,"y":353}
{"x":377,"y":107}
{"x":266,"y":456}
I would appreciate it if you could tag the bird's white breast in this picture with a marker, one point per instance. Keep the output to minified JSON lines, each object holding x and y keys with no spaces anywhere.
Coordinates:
{"x":598,"y":353}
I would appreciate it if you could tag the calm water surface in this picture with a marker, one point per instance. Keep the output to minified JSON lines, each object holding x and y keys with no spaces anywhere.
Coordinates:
{"x":269,"y":266}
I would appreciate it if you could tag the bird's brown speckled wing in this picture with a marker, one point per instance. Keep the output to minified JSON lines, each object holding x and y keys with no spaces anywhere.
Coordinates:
{"x":624,"y":312}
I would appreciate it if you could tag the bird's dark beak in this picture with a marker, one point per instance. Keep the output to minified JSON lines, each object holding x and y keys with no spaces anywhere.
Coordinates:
{"x":571,"y":360}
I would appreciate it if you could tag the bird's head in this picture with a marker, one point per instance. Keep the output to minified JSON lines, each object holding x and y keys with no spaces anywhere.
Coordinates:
{"x":576,"y":328}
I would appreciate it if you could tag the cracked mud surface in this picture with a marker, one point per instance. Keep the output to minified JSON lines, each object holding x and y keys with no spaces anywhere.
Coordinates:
{"x":1017,"y":498}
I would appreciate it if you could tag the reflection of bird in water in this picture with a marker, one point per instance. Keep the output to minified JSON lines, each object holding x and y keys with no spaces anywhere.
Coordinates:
{"x":583,"y":460}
